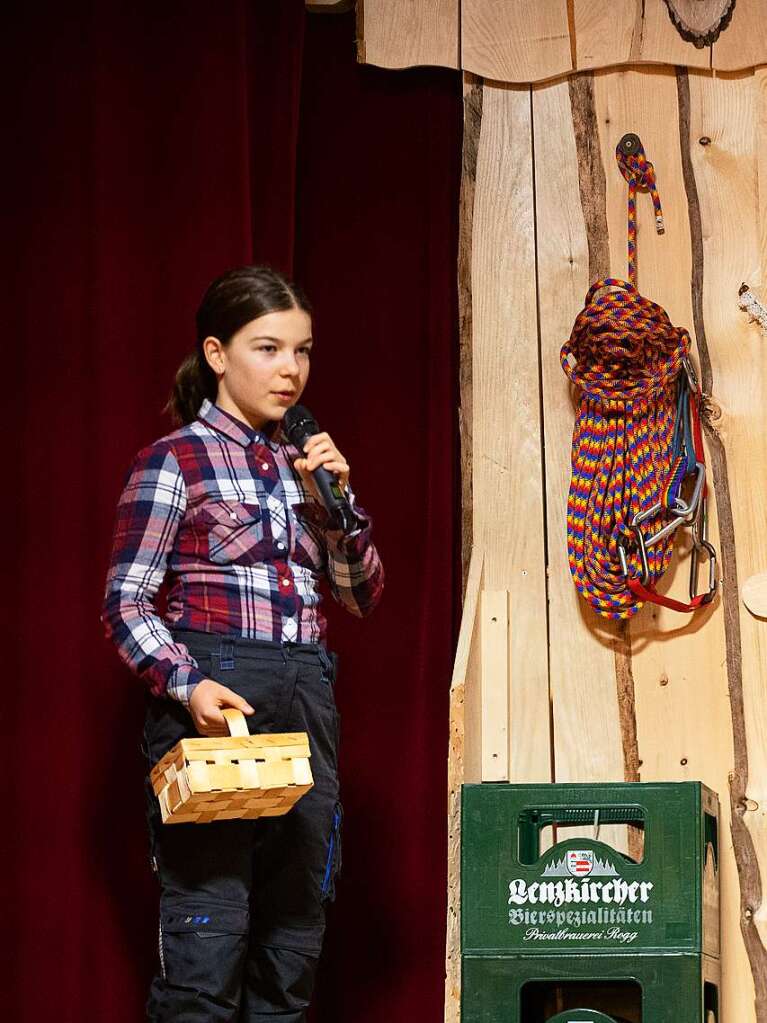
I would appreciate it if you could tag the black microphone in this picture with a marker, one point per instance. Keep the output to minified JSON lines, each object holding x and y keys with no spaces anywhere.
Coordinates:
{"x":299,"y":425}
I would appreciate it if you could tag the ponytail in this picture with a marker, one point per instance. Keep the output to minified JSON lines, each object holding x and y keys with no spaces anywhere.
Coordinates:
{"x":192,"y":384}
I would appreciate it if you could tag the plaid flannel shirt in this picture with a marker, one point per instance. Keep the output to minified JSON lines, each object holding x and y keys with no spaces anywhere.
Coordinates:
{"x":218,"y":509}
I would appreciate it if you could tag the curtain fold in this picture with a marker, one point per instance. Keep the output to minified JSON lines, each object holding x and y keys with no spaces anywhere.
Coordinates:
{"x":376,"y":244}
{"x":153,"y":147}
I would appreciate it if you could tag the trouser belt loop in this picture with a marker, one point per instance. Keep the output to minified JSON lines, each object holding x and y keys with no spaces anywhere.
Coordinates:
{"x":226,"y":654}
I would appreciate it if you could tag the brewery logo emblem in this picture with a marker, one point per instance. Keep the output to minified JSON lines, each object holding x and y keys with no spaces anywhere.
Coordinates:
{"x":580,"y":862}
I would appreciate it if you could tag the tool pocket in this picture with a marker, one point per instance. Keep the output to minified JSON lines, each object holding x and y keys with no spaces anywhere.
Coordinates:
{"x":235,"y":532}
{"x":334,"y":857}
{"x":202,"y":946}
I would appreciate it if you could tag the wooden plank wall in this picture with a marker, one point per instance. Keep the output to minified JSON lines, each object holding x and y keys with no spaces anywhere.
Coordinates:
{"x":664,"y":697}
{"x":543,"y":213}
{"x":533,"y":40}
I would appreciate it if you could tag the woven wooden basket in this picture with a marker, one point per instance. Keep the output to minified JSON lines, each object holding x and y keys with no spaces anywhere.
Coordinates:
{"x":236,"y":776}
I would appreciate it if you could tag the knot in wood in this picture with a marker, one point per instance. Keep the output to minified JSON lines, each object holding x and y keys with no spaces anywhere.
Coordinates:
{"x":712,"y":410}
{"x":700,"y":22}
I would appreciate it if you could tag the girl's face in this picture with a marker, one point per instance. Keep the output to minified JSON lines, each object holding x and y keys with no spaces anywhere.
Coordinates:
{"x":264,"y":368}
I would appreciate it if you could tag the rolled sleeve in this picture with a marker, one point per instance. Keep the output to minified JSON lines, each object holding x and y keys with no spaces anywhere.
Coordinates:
{"x":354,"y":569}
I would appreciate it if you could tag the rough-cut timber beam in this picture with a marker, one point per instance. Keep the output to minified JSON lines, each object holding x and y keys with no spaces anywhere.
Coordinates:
{"x":472,"y":120}
{"x":538,"y":40}
{"x":329,"y":6}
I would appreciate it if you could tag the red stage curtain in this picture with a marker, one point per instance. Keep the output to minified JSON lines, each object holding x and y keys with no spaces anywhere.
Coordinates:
{"x":152,"y":146}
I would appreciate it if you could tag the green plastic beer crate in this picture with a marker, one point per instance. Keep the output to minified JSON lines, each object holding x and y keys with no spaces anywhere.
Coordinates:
{"x":581,"y":895}
{"x":671,"y":988}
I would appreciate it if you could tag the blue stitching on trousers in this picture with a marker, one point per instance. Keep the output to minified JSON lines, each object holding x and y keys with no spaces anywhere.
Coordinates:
{"x":331,"y":852}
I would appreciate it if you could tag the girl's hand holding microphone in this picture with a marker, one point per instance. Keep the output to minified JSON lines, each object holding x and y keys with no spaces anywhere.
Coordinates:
{"x":320,"y":449}
{"x":207,"y":701}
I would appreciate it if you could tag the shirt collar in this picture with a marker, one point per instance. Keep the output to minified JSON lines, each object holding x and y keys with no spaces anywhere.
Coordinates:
{"x":237,"y":430}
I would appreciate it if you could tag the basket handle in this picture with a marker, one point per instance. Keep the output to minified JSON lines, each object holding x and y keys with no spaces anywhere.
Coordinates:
{"x":235,"y":719}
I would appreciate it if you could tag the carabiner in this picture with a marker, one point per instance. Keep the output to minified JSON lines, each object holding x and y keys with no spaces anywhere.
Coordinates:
{"x":641,"y":546}
{"x":664,"y":531}
{"x":624,"y":559}
{"x":688,"y":510}
{"x":682,"y":511}
{"x":712,"y":580}
{"x":689,"y":370}
{"x":700,"y":542}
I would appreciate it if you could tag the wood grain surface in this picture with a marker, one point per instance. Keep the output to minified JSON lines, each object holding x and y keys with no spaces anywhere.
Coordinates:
{"x":536,"y":40}
{"x":516,"y":41}
{"x":508,"y":485}
{"x":406,"y":33}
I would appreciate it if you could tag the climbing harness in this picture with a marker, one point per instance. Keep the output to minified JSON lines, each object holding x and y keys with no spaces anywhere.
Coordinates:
{"x":638,"y":464}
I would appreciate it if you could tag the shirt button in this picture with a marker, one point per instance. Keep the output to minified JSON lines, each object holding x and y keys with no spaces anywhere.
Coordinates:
{"x":265,"y":466}
{"x":280,"y":546}
{"x":286,"y":582}
{"x":232,"y":515}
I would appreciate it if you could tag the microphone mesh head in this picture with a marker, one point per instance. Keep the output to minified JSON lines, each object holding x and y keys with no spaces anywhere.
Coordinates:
{"x":298,"y":424}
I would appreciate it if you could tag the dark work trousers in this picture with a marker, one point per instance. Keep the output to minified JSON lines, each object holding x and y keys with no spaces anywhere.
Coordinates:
{"x":242,"y":903}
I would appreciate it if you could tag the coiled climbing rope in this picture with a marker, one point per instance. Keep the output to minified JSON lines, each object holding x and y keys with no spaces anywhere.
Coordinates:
{"x":637,"y":437}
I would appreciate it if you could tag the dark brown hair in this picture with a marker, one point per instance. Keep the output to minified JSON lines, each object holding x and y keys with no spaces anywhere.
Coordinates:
{"x":230,"y":301}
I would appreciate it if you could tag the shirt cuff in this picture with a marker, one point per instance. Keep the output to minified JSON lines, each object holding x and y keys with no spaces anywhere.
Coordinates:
{"x":317,"y":515}
{"x":182,"y":681}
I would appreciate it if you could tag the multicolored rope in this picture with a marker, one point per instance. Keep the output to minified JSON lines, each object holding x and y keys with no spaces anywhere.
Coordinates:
{"x":636,"y":438}
{"x":640,"y":174}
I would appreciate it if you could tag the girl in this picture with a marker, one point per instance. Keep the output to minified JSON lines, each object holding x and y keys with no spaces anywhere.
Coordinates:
{"x":227,"y":510}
